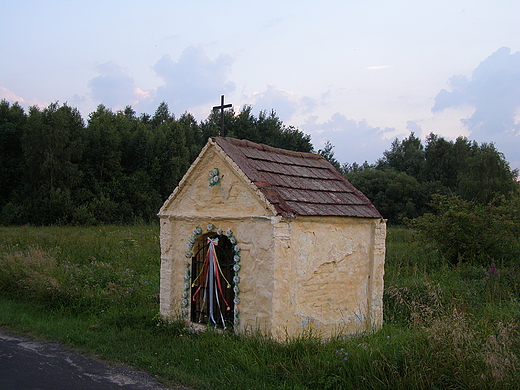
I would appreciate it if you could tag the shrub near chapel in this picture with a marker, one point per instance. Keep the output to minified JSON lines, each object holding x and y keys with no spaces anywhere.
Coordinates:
{"x":479,"y":234}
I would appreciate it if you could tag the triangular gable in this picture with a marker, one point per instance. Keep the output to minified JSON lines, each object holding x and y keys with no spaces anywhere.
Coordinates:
{"x":233,"y":195}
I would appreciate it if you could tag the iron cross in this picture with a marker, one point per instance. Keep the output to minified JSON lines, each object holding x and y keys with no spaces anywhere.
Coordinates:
{"x":221,"y":108}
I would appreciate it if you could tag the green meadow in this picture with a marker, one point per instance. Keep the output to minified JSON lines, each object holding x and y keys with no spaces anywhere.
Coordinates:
{"x":97,"y":289}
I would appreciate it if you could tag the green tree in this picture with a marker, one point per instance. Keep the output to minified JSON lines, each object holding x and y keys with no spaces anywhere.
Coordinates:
{"x":162,"y":115}
{"x":406,"y":156}
{"x":487,"y":175}
{"x":396,"y":195}
{"x":52,"y":149}
{"x":193,"y":135}
{"x":328,"y":153}
{"x":267,"y":129}
{"x":102,"y":157}
{"x":12,"y":122}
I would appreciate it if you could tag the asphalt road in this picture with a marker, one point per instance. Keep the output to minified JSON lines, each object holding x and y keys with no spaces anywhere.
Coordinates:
{"x":29,"y":364}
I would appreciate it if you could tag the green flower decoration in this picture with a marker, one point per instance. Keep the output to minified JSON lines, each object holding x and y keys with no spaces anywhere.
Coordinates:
{"x":214,"y":177}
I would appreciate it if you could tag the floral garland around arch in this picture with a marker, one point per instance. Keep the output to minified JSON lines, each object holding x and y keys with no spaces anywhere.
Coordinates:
{"x":197,"y":232}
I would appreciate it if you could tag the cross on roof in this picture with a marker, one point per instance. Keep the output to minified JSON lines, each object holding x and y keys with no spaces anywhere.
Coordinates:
{"x":221,"y":108}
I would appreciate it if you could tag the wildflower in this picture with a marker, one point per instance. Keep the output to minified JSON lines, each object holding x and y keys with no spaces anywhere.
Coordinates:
{"x":492,"y":271}
{"x":341,"y":352}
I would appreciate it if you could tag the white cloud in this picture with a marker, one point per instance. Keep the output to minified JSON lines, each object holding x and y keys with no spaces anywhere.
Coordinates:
{"x":354,"y":141}
{"x":494,"y":91}
{"x":194,"y":79}
{"x":494,"y":94}
{"x":10,"y":96}
{"x":114,"y":88}
{"x":378,"y":67}
{"x":285,"y":103}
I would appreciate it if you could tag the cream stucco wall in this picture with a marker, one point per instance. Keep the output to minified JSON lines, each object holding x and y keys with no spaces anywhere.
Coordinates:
{"x":329,"y":275}
{"x":233,"y":204}
{"x":320,"y":273}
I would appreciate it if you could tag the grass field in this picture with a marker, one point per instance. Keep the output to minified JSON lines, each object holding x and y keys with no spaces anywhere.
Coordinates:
{"x":96,"y":289}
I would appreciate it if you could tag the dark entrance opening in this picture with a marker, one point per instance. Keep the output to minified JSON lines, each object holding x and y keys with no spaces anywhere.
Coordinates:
{"x":212,"y":295}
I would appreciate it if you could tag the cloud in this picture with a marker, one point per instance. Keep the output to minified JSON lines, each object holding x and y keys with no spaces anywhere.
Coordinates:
{"x":114,"y":88}
{"x":413,"y":127}
{"x":193,"y":80}
{"x":354,"y":141}
{"x":494,"y":92}
{"x":378,"y":67}
{"x":285,"y":103}
{"x":10,"y":96}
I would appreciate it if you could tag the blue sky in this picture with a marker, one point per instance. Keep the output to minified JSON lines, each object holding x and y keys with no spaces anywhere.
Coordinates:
{"x":357,"y":73}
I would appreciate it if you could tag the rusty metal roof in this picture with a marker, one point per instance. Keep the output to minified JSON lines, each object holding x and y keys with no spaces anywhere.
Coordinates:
{"x":297,"y":183}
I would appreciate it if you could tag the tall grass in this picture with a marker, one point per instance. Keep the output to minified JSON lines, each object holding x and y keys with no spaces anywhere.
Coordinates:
{"x":97,"y":289}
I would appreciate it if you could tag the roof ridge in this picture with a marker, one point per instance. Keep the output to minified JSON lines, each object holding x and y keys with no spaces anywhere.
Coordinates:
{"x":268,"y":148}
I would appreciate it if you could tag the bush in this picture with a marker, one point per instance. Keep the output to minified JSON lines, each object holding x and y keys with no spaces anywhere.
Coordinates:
{"x":465,"y":232}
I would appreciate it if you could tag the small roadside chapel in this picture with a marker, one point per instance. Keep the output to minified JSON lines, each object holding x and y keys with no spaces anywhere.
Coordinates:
{"x":260,"y":238}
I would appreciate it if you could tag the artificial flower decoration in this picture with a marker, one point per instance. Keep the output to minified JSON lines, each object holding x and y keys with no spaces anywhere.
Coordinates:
{"x":214,"y":177}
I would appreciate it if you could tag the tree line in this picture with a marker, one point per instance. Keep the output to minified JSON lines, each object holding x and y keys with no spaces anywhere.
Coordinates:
{"x":116,"y":167}
{"x":402,"y":182}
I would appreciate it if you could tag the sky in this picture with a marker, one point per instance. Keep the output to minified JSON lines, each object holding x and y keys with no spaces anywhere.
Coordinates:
{"x":355,"y":73}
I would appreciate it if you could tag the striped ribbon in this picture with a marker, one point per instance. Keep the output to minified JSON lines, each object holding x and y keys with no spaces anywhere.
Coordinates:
{"x":211,"y":280}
